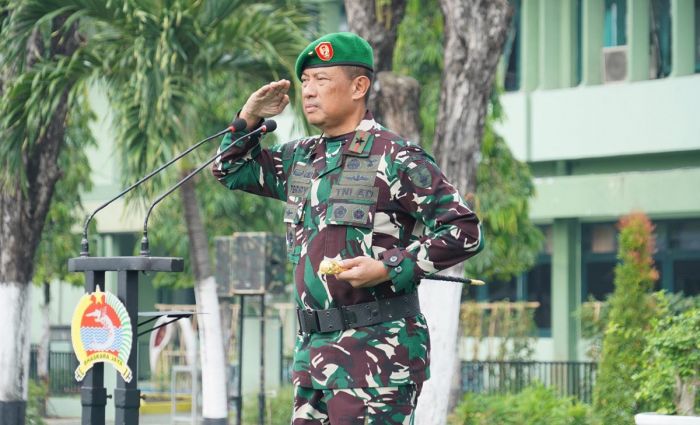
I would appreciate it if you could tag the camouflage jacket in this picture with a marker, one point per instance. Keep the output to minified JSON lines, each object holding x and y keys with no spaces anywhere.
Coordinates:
{"x":366,"y":193}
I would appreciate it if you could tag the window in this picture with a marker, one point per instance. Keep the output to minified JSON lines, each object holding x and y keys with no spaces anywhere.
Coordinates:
{"x":615,"y":23}
{"x":599,"y":278}
{"x":534,"y":285}
{"x":579,"y":41}
{"x":660,"y":38}
{"x":686,"y":276}
{"x":684,"y":235}
{"x":502,"y":290}
{"x":677,"y":257}
{"x":511,"y":50}
{"x":538,"y":283}
{"x":680,"y":255}
{"x":602,"y":239}
{"x":697,"y":35}
{"x":598,"y":260}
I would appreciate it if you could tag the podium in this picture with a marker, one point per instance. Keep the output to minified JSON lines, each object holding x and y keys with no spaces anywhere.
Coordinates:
{"x":127,"y":397}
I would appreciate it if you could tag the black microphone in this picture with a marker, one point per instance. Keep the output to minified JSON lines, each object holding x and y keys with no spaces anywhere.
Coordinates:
{"x":268,"y":126}
{"x":237,"y":125}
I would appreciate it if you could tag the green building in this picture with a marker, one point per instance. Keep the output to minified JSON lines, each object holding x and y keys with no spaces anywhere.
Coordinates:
{"x":602,"y":101}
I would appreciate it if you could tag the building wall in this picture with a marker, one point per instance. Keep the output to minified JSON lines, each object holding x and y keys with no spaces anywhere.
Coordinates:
{"x":599,"y":151}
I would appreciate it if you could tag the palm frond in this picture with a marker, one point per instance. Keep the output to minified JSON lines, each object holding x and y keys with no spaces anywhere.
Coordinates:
{"x":29,"y":103}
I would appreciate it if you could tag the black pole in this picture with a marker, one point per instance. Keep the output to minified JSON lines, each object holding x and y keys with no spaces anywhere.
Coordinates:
{"x":281,"y":342}
{"x":239,"y":398}
{"x":93,"y":395}
{"x":261,"y":397}
{"x":127,"y":397}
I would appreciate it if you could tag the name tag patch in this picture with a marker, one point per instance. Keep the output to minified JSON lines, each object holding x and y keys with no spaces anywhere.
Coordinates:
{"x":292,"y":213}
{"x":355,"y":193}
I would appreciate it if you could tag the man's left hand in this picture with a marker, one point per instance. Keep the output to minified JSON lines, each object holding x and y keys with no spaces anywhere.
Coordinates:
{"x":363,"y":272}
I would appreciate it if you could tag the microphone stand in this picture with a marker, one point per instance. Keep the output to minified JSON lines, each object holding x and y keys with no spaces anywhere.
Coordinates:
{"x":126,"y":395}
{"x":237,"y":125}
{"x":267,"y":127}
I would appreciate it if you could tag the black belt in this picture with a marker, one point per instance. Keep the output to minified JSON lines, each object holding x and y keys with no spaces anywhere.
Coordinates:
{"x":358,"y":315}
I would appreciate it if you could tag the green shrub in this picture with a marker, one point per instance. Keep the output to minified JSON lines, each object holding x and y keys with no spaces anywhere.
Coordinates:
{"x":670,"y":381}
{"x":535,"y":405}
{"x":629,"y":319}
{"x":37,"y":396}
{"x":278,"y":408}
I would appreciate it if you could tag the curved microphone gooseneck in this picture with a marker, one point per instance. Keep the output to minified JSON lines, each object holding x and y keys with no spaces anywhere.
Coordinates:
{"x":267,"y":127}
{"x":237,"y":125}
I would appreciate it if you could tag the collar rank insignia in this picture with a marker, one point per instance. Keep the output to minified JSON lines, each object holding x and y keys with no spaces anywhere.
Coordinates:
{"x":358,"y":141}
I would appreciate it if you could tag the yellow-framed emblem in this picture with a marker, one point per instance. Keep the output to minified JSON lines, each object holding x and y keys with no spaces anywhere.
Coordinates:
{"x":101,"y":331}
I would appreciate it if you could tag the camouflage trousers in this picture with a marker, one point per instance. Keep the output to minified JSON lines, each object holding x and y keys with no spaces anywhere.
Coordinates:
{"x":355,"y":406}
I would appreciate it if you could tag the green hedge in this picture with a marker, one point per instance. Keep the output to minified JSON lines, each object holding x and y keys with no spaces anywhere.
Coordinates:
{"x":535,"y":405}
{"x":278,"y":408}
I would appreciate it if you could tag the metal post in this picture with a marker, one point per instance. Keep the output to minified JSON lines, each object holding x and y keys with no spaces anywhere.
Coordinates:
{"x":261,"y":397}
{"x":281,"y":343}
{"x":93,"y":395}
{"x":239,"y":399}
{"x":127,"y":396}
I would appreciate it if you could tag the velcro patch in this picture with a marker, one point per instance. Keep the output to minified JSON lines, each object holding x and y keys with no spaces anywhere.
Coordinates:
{"x":292,"y":213}
{"x":355,"y":178}
{"x":342,"y":213}
{"x":355,"y":193}
{"x":302,"y":173}
{"x":370,"y":163}
{"x":421,"y":176}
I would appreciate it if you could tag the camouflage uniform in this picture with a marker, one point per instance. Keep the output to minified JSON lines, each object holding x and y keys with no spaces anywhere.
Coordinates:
{"x":355,"y":406}
{"x":366,"y":193}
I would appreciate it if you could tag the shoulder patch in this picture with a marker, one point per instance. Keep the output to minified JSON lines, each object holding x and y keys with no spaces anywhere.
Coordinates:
{"x":421,"y":176}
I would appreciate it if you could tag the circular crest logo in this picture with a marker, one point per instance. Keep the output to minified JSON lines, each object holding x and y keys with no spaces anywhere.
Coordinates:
{"x":324,"y":51}
{"x":101,"y":332}
{"x":353,"y":164}
{"x":340,"y":212}
{"x":358,"y":214}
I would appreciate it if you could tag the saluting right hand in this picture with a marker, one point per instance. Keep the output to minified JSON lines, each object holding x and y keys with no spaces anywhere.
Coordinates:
{"x":268,"y":101}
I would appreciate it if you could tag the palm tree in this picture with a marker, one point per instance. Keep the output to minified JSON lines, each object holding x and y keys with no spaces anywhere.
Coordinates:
{"x":158,"y":59}
{"x":42,"y":74}
{"x":177,"y":53}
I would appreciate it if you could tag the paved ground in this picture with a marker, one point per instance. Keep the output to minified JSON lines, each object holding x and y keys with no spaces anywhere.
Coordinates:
{"x":143,"y":420}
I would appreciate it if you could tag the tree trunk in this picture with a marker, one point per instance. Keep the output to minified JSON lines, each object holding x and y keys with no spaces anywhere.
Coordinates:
{"x":22,"y":217}
{"x":211,"y":346}
{"x":398,"y":99}
{"x":378,"y":24}
{"x":685,"y":395}
{"x":474,"y":34}
{"x":440,"y":313}
{"x":473,"y":40}
{"x":42,"y":357}
{"x":14,"y":351}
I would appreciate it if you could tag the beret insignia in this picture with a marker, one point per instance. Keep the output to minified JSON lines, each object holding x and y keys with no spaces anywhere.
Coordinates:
{"x":324,"y":51}
{"x":335,"y":49}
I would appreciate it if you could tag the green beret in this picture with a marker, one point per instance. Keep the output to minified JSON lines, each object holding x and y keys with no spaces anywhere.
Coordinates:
{"x":340,"y":48}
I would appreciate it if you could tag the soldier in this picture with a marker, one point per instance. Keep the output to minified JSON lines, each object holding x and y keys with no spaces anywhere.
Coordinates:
{"x":376,"y":204}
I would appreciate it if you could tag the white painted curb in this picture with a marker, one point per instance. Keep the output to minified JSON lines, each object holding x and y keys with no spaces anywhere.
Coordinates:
{"x":657,"y":419}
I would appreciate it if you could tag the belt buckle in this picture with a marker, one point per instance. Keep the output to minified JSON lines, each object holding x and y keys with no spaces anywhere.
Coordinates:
{"x":308,"y":321}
